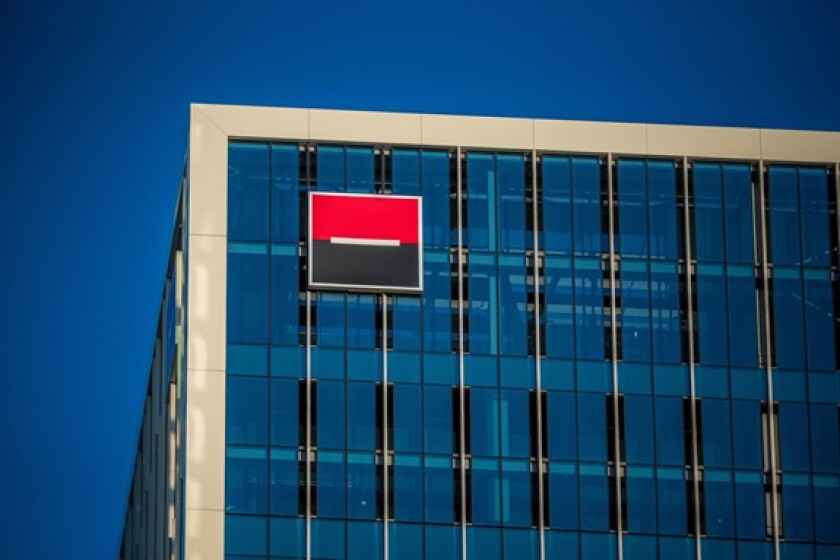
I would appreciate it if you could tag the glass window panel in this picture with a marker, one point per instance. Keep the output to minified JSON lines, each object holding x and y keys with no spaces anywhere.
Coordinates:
{"x":437,"y":302}
{"x":708,"y":212}
{"x":711,"y":315}
{"x":826,"y":512}
{"x":248,"y":191}
{"x":719,"y":503}
{"x":437,"y":419}
{"x":247,"y":293}
{"x":639,"y":547}
{"x":246,"y":534}
{"x":483,"y":544}
{"x":284,"y":295}
{"x":717,"y":439}
{"x":406,"y":411}
{"x":662,"y":187}
{"x":481,"y":202}
{"x":819,"y":320}
{"x":589,"y":310}
{"x":485,"y":492}
{"x":743,"y":325}
{"x":558,"y":311}
{"x":287,"y":537}
{"x":361,"y":486}
{"x":632,"y":209}
{"x":406,"y":541}
{"x":746,"y":434}
{"x":246,"y":416}
{"x":331,"y":414}
{"x":330,"y":483}
{"x":246,"y":359}
{"x":443,"y":542}
{"x":284,"y":412}
{"x":512,"y":207}
{"x":516,"y":493}
{"x":483,"y":304}
{"x":638,"y":417}
{"x":246,"y":480}
{"x":521,"y":544}
{"x":361,"y":415}
{"x":665,"y":312}
{"x":484,"y":421}
{"x":784,"y":215}
{"x":825,"y":433}
{"x":635,"y":310}
{"x":556,"y":205}
{"x":787,"y":308}
{"x":287,"y":200}
{"x":749,"y":504}
{"x":672,"y":507}
{"x":361,"y":321}
{"x":594,"y":498}
{"x":813,"y":200}
{"x":406,"y":323}
{"x":797,"y":507}
{"x":738,"y":213}
{"x":592,"y":423}
{"x":793,"y":435}
{"x":284,"y":481}
{"x":586,"y":206}
{"x":641,"y":500}
{"x":513,"y":312}
{"x":439,"y":491}
{"x":331,"y":169}
{"x":328,"y":539}
{"x":561,"y":425}
{"x":360,"y":170}
{"x":436,"y":199}
{"x":670,"y":443}
{"x":408,"y":488}
{"x":563,"y":499}
{"x":405,"y":172}
{"x":562,"y":544}
{"x":331,"y":316}
{"x":515,"y":418}
{"x":364,"y":540}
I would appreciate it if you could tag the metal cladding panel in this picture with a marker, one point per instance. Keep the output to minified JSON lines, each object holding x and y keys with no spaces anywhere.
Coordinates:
{"x":362,"y":242}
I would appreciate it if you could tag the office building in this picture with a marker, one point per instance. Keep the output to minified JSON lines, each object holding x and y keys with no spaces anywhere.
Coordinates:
{"x":622,"y":342}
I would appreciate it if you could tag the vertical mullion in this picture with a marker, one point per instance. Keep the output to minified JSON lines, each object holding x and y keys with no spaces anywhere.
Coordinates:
{"x":689,"y":268}
{"x":461,"y":419}
{"x":308,"y":448}
{"x":771,"y":436}
{"x":537,"y":346}
{"x":386,"y":458}
{"x":614,"y":358}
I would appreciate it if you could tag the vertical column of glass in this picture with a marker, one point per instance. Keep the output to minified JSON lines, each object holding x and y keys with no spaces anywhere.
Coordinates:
{"x":575,"y":372}
{"x":497,"y":369}
{"x":262,"y":436}
{"x":346,"y":370}
{"x":729,"y":381}
{"x":653,"y":381}
{"x":803,"y":249}
{"x":540,"y":470}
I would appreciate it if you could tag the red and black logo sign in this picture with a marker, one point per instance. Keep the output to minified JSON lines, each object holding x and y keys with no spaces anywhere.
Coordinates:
{"x":365,"y":242}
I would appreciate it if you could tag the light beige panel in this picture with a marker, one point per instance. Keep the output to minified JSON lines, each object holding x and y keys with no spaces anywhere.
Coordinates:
{"x":205,"y":469}
{"x":800,"y":145}
{"x":478,"y":132}
{"x":703,"y":141}
{"x":259,"y":122}
{"x":207,"y":312}
{"x":593,"y":137}
{"x":356,"y":126}
{"x":205,"y":535}
{"x":208,"y":176}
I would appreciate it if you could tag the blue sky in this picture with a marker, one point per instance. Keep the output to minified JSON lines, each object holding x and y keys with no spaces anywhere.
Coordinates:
{"x":94,"y":101}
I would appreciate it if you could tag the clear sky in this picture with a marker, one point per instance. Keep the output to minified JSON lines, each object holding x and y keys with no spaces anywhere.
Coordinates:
{"x":94,"y":106}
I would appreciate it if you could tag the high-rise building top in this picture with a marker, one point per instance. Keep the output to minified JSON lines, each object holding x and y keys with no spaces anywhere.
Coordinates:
{"x":530,"y":339}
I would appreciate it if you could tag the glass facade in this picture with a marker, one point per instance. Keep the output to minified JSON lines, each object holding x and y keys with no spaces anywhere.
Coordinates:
{"x":611,"y":357}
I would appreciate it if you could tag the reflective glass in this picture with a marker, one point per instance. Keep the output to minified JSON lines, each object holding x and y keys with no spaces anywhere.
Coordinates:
{"x":443,"y":542}
{"x":592,"y":426}
{"x":635,"y":310}
{"x":563,"y":499}
{"x":330,"y":414}
{"x":246,"y":416}
{"x":556,"y":205}
{"x":287,"y":201}
{"x":247,"y":293}
{"x":719,"y":502}
{"x":586,"y":206}
{"x":287,"y":538}
{"x":746,"y":434}
{"x":819,"y":320}
{"x":813,"y":200}
{"x":437,"y":309}
{"x":717,"y":438}
{"x":248,"y":164}
{"x":516,"y":493}
{"x":483,"y":304}
{"x":481,"y":202}
{"x":515,"y":427}
{"x":513,"y":235}
{"x":405,"y":541}
{"x":408,"y":427}
{"x":439,"y":491}
{"x":437,"y":419}
{"x":513,"y":312}
{"x":641,"y":499}
{"x":632,"y":209}
{"x":558,"y":311}
{"x":330,"y":484}
{"x":797,"y":507}
{"x":246,"y":534}
{"x":331,"y":169}
{"x":407,"y":323}
{"x":284,"y":481}
{"x":712,"y":328}
{"x":708,"y":239}
{"x":284,"y":295}
{"x":825,"y":438}
{"x":361,"y":321}
{"x":589,"y":310}
{"x":742,"y":314}
{"x":784,"y":215}
{"x":749,"y":504}
{"x":638,"y":428}
{"x":561,"y":425}
{"x":826,"y":512}
{"x":436,"y":200}
{"x":787,"y":309}
{"x":486,"y":492}
{"x":246,"y":480}
{"x":360,"y":169}
{"x":671,"y":495}
{"x":361,"y":486}
{"x":484,"y":421}
{"x":361,"y":415}
{"x":408,"y":488}
{"x":284,"y":412}
{"x":665,"y":312}
{"x":364,"y":540}
{"x":330,"y":319}
{"x":670,"y":438}
{"x":594,"y":498}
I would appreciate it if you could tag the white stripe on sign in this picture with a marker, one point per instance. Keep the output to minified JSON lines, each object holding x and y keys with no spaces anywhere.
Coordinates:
{"x":363,"y":241}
